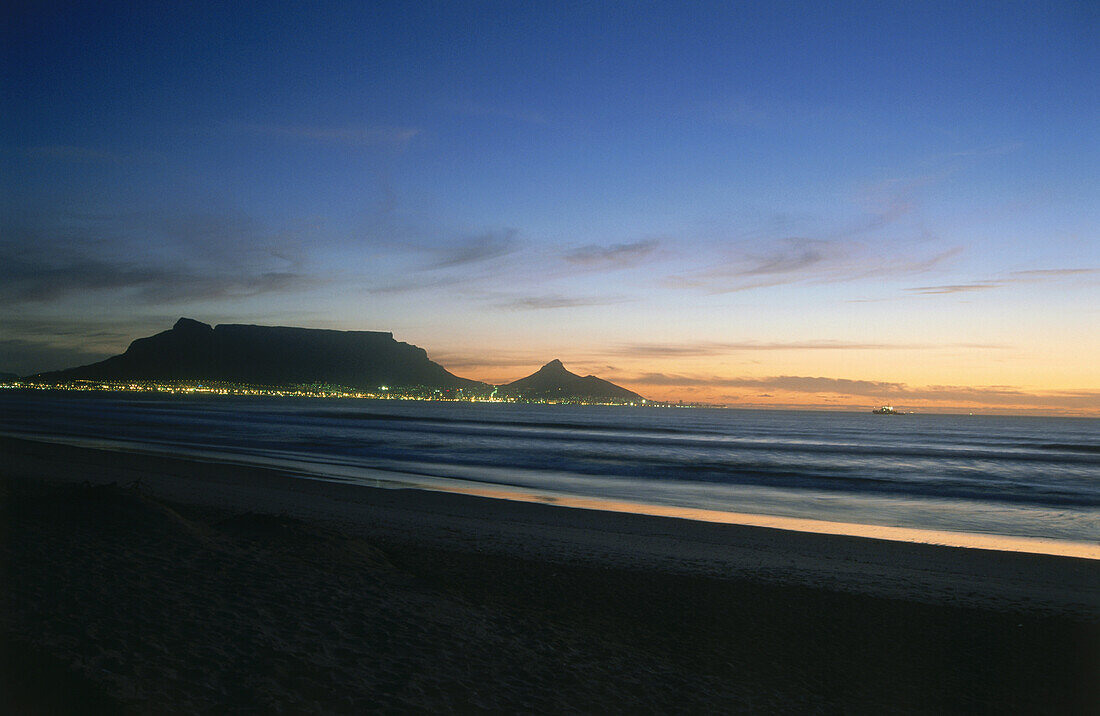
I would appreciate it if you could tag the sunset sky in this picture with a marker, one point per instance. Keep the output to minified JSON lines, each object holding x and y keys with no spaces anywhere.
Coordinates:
{"x":759,"y":204}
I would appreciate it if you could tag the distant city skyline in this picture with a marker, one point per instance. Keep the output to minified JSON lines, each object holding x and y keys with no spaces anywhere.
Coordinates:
{"x":779,"y":204}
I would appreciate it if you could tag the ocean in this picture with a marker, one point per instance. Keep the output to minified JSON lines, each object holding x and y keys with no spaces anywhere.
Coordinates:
{"x":1031,"y":477}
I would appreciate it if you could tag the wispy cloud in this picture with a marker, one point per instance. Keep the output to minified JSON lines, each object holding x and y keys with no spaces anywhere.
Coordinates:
{"x":884,"y":237}
{"x":463,"y":264}
{"x":475,"y":249}
{"x":26,"y":357}
{"x":558,"y":301}
{"x":799,"y":384}
{"x":1015,"y":277}
{"x":793,"y":256}
{"x":881,"y":390}
{"x":1042,"y":274}
{"x":653,"y":350}
{"x":33,"y":344}
{"x":793,"y":260}
{"x":37,"y":281}
{"x":787,"y":260}
{"x":417,"y":282}
{"x":359,"y":136}
{"x":884,"y":203}
{"x":151,"y":258}
{"x":955,"y":288}
{"x":614,"y":256}
{"x":458,"y":361}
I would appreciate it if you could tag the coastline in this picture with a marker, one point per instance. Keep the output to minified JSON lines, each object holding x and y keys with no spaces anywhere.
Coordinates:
{"x":860,"y":564}
{"x":386,"y":479}
{"x":552,"y":609}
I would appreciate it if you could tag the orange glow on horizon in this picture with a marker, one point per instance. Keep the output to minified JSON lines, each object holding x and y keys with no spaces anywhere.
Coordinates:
{"x":809,"y":382}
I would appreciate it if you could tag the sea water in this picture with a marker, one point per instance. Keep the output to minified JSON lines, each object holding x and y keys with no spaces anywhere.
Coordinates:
{"x":1033,"y":477}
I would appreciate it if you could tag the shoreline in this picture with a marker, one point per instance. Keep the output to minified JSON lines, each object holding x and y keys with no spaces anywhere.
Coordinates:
{"x":856,"y":563}
{"x":391,"y":479}
{"x":165,"y":585}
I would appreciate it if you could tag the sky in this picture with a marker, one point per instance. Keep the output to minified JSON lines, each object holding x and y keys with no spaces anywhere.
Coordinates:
{"x":762,"y":204}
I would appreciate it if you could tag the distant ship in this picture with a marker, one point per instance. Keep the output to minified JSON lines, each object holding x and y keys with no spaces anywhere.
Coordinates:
{"x":885,"y":410}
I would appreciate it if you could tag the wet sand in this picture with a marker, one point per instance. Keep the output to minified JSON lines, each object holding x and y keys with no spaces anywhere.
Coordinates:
{"x":212,"y":588}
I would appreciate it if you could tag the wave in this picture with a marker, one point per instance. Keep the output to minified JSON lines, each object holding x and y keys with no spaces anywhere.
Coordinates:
{"x":1071,"y":447}
{"x":1043,"y":463}
{"x":537,"y":425}
{"x":645,"y":436}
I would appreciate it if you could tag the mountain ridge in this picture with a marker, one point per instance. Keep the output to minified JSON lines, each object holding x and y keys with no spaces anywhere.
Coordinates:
{"x":554,"y":382}
{"x":283,"y":355}
{"x":270,"y":355}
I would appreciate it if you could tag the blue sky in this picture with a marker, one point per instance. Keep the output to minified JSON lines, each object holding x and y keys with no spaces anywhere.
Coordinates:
{"x":687,"y":194}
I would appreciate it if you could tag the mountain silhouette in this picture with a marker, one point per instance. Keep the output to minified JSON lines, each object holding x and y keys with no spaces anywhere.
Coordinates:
{"x":554,"y":382}
{"x":270,"y":355}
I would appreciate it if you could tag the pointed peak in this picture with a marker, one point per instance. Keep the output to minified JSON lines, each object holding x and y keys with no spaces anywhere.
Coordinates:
{"x":554,"y":366}
{"x":190,"y":324}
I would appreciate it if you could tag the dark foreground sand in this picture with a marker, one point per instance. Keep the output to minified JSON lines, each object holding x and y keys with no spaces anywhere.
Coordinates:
{"x":216,"y":588}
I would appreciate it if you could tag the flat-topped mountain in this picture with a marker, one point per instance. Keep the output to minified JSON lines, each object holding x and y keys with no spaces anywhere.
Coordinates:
{"x":554,"y":382}
{"x":270,"y":355}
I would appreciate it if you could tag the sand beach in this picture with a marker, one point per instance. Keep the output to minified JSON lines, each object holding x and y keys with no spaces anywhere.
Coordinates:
{"x":150,"y":584}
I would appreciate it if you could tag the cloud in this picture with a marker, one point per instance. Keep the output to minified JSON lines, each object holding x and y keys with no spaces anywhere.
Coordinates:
{"x":1004,"y":396}
{"x":794,"y":255}
{"x":26,"y":357}
{"x":802,"y":260}
{"x":788,"y":260}
{"x":38,"y":281}
{"x":1041,"y":274}
{"x":33,"y":344}
{"x":494,"y":359}
{"x":955,"y":288}
{"x":615,"y":256}
{"x":104,"y":332}
{"x":885,"y":203}
{"x":417,"y":283}
{"x":476,"y":249}
{"x":1015,"y":277}
{"x":460,"y":263}
{"x":653,"y":350}
{"x":558,"y":301}
{"x":358,"y":136}
{"x":799,"y":384}
{"x":190,"y":287}
{"x":151,"y":258}
{"x":853,"y":249}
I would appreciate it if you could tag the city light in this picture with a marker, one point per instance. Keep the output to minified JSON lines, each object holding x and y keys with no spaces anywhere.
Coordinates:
{"x":317,"y":390}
